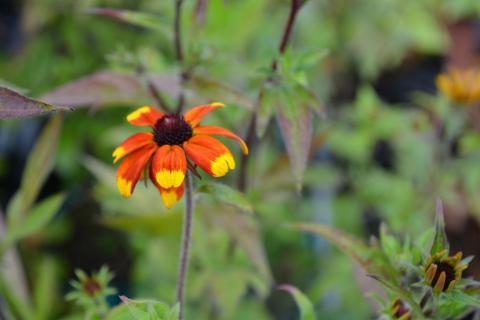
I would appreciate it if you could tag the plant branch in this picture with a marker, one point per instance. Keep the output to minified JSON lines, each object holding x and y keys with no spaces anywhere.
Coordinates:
{"x":250,"y":136}
{"x":177,"y":39}
{"x":186,"y":240}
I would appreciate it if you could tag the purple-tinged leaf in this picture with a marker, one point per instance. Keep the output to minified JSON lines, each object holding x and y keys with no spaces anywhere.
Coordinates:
{"x":15,"y":105}
{"x":297,"y":134}
{"x":106,"y":88}
{"x":139,"y":19}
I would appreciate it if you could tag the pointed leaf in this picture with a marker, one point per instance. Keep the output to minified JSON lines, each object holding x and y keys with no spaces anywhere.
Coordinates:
{"x":37,"y":218}
{"x":351,"y":246}
{"x":139,"y":19}
{"x":440,"y":241}
{"x":39,"y":165}
{"x":142,"y":310}
{"x":226,"y":195}
{"x":106,"y":88}
{"x":245,"y":232}
{"x":15,"y":105}
{"x":307,"y":312}
{"x":297,"y":134}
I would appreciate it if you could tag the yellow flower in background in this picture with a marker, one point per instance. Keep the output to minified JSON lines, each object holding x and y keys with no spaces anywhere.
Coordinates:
{"x":443,"y":272}
{"x":460,"y":85}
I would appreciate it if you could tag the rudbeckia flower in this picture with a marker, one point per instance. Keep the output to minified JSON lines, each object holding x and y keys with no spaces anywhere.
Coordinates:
{"x":460,"y":86}
{"x":176,"y":142}
{"x":442,"y":272}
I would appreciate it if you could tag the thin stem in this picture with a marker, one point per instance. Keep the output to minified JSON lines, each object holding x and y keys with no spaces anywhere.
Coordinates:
{"x":177,"y":39}
{"x":250,"y":136}
{"x":287,"y":31}
{"x":186,"y":240}
{"x":177,"y":36}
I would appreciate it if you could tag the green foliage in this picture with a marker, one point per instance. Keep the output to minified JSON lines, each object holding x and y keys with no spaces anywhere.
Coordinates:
{"x":241,"y":247}
{"x":306,"y":308}
{"x":143,"y":310}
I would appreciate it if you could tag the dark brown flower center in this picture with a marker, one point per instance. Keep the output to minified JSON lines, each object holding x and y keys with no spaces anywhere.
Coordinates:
{"x":449,"y":274}
{"x":91,"y":286}
{"x":172,"y":130}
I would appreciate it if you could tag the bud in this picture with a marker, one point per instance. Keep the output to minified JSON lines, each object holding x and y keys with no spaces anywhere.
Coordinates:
{"x":443,"y":272}
{"x":400,"y":310}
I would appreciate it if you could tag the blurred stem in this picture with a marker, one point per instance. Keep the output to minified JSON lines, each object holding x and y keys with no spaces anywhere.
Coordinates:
{"x":177,"y":39}
{"x":186,"y":239}
{"x":250,"y":140}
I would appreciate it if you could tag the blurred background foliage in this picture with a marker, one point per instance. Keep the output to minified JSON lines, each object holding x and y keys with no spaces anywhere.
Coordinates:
{"x":384,"y":145}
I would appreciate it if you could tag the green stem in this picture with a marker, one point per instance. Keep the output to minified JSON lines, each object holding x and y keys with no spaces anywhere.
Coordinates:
{"x":186,"y":240}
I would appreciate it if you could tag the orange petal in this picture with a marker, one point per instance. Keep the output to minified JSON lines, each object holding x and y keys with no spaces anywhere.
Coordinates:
{"x":209,"y":154}
{"x":219,"y":131}
{"x":131,"y":168}
{"x":169,"y":166}
{"x":131,"y":144}
{"x":145,"y":116}
{"x":196,"y":114}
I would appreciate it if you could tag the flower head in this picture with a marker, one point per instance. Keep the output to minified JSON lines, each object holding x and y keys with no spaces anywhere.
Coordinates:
{"x":442,"y":272}
{"x":175,"y":143}
{"x":460,"y":86}
{"x":90,"y":289}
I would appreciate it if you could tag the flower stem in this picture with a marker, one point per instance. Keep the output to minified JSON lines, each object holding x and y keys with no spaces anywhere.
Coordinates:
{"x":186,"y":239}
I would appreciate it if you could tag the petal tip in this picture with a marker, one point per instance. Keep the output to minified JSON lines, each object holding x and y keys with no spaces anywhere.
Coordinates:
{"x":124,"y":187}
{"x":137,"y":113}
{"x":217,"y":104}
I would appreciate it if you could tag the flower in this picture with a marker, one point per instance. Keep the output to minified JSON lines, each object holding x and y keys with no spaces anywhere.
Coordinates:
{"x":400,"y":310}
{"x":174,"y":142}
{"x":90,"y":289}
{"x":443,"y":272}
{"x":460,"y":85}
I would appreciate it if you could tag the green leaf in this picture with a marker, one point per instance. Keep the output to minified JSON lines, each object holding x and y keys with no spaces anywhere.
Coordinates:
{"x":307,"y":312}
{"x":227,"y":195}
{"x":15,"y":105}
{"x":440,"y":241}
{"x":15,"y":305}
{"x":402,"y":294}
{"x":143,"y":310}
{"x":45,"y":288}
{"x":297,"y":134}
{"x":37,"y":218}
{"x":457,"y":296}
{"x":351,"y":246}
{"x":39,"y":165}
{"x":139,"y":19}
{"x":244,"y":230}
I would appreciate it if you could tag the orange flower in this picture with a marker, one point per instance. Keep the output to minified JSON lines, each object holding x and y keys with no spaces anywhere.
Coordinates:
{"x":460,"y":86}
{"x":167,"y":150}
